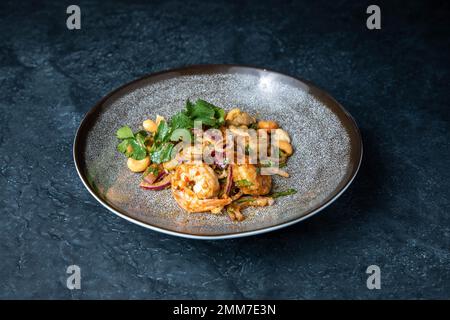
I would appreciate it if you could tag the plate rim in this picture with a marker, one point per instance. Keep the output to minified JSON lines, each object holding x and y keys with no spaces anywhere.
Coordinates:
{"x":77,"y":161}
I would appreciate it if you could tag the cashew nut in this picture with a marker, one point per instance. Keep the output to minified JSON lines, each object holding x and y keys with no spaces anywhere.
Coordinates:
{"x":138,"y":165}
{"x":150,"y":126}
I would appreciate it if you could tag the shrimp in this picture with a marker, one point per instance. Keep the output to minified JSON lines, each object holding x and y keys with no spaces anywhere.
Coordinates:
{"x":195,"y":187}
{"x":248,"y":179}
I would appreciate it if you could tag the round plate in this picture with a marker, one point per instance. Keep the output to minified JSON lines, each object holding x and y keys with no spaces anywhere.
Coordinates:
{"x":326,"y":140}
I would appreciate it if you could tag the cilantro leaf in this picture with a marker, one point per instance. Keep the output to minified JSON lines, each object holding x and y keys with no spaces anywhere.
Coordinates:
{"x":124,"y":133}
{"x":133,"y":145}
{"x":181,"y":121}
{"x":163,"y":132}
{"x":202,"y":110}
{"x":219,"y":114}
{"x":140,"y":137}
{"x":162,"y":153}
{"x":207,"y":113}
{"x":123,"y":146}
{"x":139,"y":151}
{"x":189,"y":107}
{"x":207,"y":121}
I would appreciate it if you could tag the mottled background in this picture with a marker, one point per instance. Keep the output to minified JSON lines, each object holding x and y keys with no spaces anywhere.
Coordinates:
{"x":394,"y":81}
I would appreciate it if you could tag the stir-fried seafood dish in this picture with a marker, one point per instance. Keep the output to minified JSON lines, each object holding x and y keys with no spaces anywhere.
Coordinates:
{"x":213,"y":161}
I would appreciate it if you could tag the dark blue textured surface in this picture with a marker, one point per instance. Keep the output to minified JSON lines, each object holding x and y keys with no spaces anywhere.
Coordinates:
{"x":394,"y":81}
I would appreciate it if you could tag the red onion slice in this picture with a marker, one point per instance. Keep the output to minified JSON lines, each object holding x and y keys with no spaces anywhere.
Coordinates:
{"x":164,"y":183}
{"x":229,"y":181}
{"x":150,"y":177}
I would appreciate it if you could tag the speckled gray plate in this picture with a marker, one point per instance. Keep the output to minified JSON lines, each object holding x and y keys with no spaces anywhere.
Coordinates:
{"x":326,"y":140}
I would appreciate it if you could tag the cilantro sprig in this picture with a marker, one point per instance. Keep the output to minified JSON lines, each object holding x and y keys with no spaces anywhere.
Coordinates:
{"x":207,"y":113}
{"x":161,"y":150}
{"x":133,"y":145}
{"x":201,"y":110}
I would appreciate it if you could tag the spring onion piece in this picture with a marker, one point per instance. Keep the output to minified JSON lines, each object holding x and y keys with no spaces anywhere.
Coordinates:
{"x":243,"y":183}
{"x":283,"y":193}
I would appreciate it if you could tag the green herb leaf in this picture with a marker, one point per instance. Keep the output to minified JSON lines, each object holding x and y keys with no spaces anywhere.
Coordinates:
{"x":181,"y":121}
{"x":140,"y":137}
{"x":124,"y":133}
{"x":152,"y":169}
{"x":135,"y":141}
{"x":283,"y":193}
{"x":123,"y":146}
{"x":189,"y":107}
{"x":207,"y":113}
{"x":202,"y":109}
{"x":243,"y":183}
{"x":219,"y":113}
{"x":220,"y":116}
{"x":270,"y":163}
{"x":245,"y":199}
{"x":139,"y":151}
{"x":267,"y":163}
{"x":163,"y":132}
{"x":207,"y":121}
{"x":162,"y":153}
{"x":254,"y":126}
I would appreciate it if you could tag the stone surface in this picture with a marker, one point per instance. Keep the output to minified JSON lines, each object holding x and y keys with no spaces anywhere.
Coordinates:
{"x":394,"y":81}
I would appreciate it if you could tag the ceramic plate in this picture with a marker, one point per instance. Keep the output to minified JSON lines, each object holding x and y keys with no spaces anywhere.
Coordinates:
{"x":326,"y":140}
